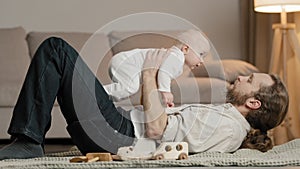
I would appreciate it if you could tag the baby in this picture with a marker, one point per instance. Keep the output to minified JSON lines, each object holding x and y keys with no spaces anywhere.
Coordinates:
{"x":125,"y":70}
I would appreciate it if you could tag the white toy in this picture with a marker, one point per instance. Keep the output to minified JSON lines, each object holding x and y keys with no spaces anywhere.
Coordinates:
{"x":166,"y":150}
{"x":171,"y":151}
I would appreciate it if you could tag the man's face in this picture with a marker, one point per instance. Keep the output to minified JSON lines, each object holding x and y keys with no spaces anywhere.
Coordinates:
{"x":245,"y":86}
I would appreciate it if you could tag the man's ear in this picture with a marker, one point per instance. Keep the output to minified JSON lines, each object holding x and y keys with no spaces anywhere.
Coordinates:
{"x":185,"y":49}
{"x":253,"y":103}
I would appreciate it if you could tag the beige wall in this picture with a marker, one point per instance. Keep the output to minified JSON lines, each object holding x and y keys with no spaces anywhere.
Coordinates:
{"x":219,"y":19}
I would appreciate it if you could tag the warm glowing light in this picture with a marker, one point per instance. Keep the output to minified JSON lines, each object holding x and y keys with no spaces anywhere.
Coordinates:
{"x":276,"y":6}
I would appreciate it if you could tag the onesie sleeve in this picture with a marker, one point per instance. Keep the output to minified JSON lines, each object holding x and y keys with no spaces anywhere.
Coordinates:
{"x":170,"y":69}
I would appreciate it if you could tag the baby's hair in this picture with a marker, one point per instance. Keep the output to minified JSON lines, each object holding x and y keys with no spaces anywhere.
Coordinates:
{"x":178,"y":43}
{"x":195,"y":40}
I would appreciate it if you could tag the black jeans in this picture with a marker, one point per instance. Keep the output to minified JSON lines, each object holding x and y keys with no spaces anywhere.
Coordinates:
{"x":57,"y":71}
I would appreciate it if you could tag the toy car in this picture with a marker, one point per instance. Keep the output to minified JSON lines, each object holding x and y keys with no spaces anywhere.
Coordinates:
{"x":166,"y":150}
{"x":171,"y":150}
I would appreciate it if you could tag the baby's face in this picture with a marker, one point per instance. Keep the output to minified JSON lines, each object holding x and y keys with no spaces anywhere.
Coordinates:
{"x":192,"y":59}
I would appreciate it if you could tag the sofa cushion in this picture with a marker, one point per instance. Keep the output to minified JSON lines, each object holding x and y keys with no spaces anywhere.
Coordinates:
{"x":123,"y":41}
{"x":9,"y":92}
{"x":94,"y":48}
{"x":128,"y":40}
{"x":14,"y":62}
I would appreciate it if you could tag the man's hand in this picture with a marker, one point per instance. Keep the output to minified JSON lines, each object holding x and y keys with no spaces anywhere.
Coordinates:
{"x":155,"y":116}
{"x":153,"y":61}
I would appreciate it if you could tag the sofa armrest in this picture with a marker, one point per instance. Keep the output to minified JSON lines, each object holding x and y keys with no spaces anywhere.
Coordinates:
{"x":225,"y":69}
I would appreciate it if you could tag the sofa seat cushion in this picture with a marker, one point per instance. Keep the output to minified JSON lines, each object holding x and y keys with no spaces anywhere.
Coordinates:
{"x":9,"y":92}
{"x":187,"y":90}
{"x":199,"y":90}
{"x":14,"y":62}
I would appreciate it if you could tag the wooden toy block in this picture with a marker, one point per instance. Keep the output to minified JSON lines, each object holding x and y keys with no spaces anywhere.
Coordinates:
{"x":79,"y":159}
{"x":92,"y":157}
{"x":101,"y":156}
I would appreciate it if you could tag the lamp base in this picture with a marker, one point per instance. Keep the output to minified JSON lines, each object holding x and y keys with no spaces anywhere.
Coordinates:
{"x":284,"y":34}
{"x":285,"y":61}
{"x":284,"y":26}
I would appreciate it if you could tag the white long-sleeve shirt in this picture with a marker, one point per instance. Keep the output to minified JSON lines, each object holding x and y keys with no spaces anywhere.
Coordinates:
{"x":220,"y":128}
{"x":126,"y":67}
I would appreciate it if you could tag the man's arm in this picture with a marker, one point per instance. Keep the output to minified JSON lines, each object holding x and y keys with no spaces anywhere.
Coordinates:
{"x":155,"y":116}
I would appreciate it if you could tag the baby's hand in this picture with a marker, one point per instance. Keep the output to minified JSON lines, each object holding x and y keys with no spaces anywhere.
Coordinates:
{"x":168,"y":98}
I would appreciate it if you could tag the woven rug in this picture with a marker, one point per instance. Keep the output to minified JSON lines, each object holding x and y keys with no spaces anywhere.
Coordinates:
{"x":287,"y":154}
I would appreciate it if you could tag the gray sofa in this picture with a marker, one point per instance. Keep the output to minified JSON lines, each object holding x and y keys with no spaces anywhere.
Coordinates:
{"x":205,"y":85}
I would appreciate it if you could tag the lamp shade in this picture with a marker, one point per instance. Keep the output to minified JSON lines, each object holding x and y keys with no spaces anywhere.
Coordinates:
{"x":276,"y":6}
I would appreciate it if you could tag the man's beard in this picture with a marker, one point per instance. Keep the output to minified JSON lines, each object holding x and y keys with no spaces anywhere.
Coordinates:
{"x":235,"y":97}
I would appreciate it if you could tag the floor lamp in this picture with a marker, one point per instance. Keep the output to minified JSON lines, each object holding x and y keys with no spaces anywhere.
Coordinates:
{"x":284,"y":35}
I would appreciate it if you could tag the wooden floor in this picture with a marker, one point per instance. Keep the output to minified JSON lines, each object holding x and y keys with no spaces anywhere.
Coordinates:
{"x":51,"y":145}
{"x":54,"y":148}
{"x":58,"y":145}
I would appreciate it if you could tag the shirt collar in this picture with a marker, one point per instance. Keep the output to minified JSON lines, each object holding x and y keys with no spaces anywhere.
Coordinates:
{"x":238,"y":116}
